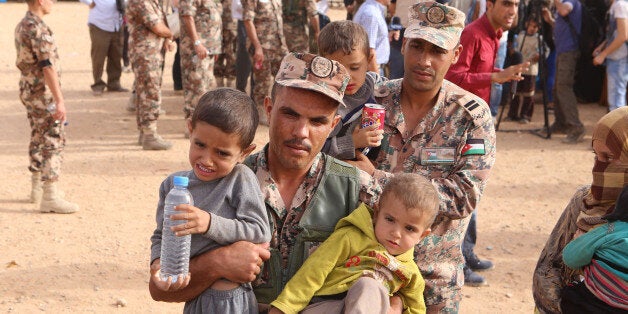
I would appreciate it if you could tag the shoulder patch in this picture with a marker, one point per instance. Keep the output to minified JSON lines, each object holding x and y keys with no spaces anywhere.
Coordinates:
{"x":471,"y":105}
{"x":474,"y":146}
{"x":475,"y":107}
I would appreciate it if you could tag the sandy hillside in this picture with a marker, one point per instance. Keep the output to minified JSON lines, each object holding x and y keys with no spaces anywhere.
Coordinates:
{"x":94,"y":259}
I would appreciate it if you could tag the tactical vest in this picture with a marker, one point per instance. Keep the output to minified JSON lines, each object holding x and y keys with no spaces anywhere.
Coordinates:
{"x":336,"y":196}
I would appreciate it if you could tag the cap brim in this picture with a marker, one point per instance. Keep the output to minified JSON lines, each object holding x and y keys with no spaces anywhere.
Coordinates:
{"x":307,"y":85}
{"x":443,"y":38}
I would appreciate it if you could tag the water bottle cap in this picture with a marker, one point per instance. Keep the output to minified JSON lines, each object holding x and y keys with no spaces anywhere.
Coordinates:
{"x":181,"y":181}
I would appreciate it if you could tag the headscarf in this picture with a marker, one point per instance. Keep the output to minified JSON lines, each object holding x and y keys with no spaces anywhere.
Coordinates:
{"x":608,"y":178}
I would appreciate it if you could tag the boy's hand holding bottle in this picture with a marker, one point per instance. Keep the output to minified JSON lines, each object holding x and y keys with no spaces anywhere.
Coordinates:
{"x":167,"y":285}
{"x":197,"y":220}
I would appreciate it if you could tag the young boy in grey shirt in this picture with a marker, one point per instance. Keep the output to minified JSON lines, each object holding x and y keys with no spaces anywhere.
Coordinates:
{"x":229,"y":205}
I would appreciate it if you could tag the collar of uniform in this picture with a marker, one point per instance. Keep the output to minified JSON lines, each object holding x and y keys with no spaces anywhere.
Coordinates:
{"x":268,"y":184}
{"x":394,"y":113}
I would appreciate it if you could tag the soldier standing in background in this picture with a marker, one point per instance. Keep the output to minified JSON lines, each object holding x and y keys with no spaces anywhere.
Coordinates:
{"x":296,"y":14}
{"x":267,"y":46}
{"x":201,"y":41}
{"x":225,"y":68}
{"x":40,"y":92}
{"x":149,"y":36}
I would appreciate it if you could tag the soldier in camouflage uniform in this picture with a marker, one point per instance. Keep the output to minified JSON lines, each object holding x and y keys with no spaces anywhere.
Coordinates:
{"x":40,"y":93}
{"x":306,"y":192}
{"x":296,"y":14}
{"x":201,"y":40}
{"x":225,"y":68}
{"x":267,"y":46}
{"x":443,"y":132}
{"x":149,"y":36}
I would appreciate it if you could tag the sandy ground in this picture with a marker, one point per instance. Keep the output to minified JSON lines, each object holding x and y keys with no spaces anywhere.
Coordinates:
{"x":97,"y":259}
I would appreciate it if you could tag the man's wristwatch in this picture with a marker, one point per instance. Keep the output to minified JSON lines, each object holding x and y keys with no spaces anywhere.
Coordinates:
{"x":197,"y":42}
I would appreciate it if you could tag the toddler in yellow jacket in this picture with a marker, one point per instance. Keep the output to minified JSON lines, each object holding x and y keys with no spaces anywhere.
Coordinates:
{"x":368,"y":257}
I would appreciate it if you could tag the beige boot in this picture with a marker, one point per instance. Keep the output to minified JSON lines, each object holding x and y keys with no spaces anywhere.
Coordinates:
{"x":53,"y":202}
{"x":152,"y":141}
{"x":36,"y":187}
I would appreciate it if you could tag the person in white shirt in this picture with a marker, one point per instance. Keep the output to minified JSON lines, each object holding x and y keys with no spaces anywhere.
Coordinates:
{"x":243,"y":60}
{"x":105,"y":23}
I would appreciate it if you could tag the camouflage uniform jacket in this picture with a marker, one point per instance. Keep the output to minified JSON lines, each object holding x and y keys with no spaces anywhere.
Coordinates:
{"x":330,"y":191}
{"x":35,"y":44}
{"x":266,"y":16}
{"x":438,"y":148}
{"x":457,"y":118}
{"x":208,"y":22}
{"x":297,"y":12}
{"x":141,"y":15}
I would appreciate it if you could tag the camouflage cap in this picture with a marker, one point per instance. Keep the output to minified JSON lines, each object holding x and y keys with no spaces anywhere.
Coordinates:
{"x":315,"y":73}
{"x":439,"y":24}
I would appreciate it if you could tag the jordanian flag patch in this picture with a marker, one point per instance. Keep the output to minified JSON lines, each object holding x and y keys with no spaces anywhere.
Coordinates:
{"x":474,"y":146}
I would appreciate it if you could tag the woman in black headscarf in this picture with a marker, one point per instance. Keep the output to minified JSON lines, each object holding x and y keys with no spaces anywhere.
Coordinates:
{"x":585,"y":211}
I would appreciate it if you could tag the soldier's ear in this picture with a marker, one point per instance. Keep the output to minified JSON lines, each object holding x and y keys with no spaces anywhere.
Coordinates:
{"x":268,"y":107}
{"x":457,"y":52}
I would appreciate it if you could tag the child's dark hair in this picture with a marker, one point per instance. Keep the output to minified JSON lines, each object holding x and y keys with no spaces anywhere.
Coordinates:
{"x":620,"y":212}
{"x":230,"y":110}
{"x":415,"y":192}
{"x":532,"y":18}
{"x":344,"y":36}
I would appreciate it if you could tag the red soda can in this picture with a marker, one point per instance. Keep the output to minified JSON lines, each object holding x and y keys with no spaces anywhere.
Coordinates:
{"x":372,"y":114}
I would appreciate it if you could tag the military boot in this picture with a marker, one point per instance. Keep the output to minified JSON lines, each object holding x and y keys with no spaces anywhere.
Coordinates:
{"x":53,"y":202}
{"x":152,"y":141}
{"x":36,"y":187}
{"x":155,"y":142}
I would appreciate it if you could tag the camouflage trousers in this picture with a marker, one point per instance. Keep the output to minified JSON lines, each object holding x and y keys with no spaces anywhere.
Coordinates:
{"x":148,"y":76}
{"x":47,"y":138}
{"x":297,"y":33}
{"x":440,"y":260}
{"x":198,"y":77}
{"x":226,"y":63}
{"x":265,"y":76}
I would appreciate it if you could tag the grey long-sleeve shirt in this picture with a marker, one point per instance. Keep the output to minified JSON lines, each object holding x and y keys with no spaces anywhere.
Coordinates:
{"x":235,"y":203}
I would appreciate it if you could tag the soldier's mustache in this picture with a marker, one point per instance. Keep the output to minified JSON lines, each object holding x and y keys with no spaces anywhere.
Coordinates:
{"x":299,"y":143}
{"x":429,"y":71}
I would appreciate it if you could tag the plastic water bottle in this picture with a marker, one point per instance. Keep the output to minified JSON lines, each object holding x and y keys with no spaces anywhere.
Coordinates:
{"x":52,"y":109}
{"x":175,"y":251}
